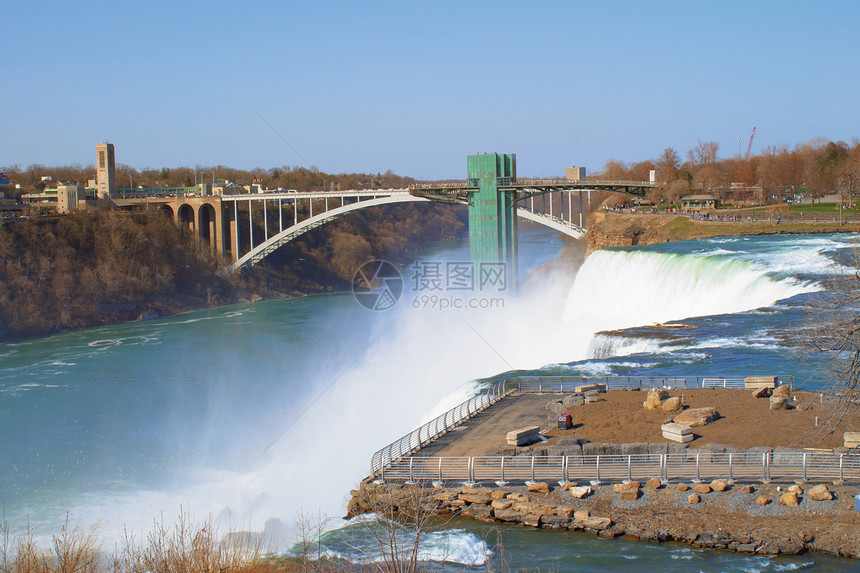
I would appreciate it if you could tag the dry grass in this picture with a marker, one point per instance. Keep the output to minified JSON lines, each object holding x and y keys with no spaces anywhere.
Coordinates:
{"x":182,"y":547}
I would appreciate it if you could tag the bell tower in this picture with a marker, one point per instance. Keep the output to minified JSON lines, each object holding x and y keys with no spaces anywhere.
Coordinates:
{"x":105,"y":171}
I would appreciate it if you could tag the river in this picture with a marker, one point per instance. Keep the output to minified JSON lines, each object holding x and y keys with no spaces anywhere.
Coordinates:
{"x":256,"y":413}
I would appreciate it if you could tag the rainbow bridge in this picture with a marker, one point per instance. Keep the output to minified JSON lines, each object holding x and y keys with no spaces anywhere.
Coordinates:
{"x":494,"y":195}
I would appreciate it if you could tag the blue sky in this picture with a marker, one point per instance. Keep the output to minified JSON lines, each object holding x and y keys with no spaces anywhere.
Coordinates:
{"x":415,"y":87}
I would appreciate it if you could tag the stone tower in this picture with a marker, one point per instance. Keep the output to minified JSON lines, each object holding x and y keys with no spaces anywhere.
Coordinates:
{"x":105,"y":171}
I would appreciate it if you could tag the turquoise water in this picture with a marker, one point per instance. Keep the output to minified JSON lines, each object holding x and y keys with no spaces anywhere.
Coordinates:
{"x":252,"y":413}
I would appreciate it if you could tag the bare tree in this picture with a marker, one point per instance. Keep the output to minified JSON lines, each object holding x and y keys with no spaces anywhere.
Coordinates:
{"x":834,"y":337}
{"x":404,"y":517}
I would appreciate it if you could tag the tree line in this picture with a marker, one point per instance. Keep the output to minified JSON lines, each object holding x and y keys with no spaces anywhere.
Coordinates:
{"x":819,"y":167}
{"x":285,"y":177}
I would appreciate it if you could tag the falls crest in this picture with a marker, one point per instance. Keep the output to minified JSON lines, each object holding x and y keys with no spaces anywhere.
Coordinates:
{"x":622,"y":289}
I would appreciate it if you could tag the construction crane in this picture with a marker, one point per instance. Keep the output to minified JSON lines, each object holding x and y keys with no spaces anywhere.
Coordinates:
{"x":749,"y":147}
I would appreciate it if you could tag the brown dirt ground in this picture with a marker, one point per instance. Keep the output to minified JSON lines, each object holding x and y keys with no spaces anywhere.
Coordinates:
{"x":745,"y":422}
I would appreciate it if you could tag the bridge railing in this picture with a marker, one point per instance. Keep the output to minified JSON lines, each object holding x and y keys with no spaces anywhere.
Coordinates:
{"x":742,"y":466}
{"x":596,"y":182}
{"x":559,"y":384}
{"x":415,"y":440}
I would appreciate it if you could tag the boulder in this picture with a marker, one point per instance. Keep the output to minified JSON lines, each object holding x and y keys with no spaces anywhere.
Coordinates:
{"x":782,"y":403}
{"x":590,"y":398}
{"x":619,"y":487}
{"x":633,"y":448}
{"x":796,"y":489}
{"x":694,"y":498}
{"x":581,"y":514}
{"x":539,"y":487}
{"x":573,"y":400}
{"x":762,"y":392}
{"x":499,"y":494}
{"x":719,"y":485}
{"x":681,"y":487}
{"x":479,"y":512}
{"x":820,"y":493}
{"x":702,"y":488}
{"x":531,"y":520}
{"x":554,"y":407}
{"x":597,"y":523}
{"x":659,"y":394}
{"x":672,"y":404}
{"x":507,"y":515}
{"x":501,"y":503}
{"x":783,"y":390}
{"x":630,"y":494}
{"x":554,"y":521}
{"x":745,"y":489}
{"x":762,"y":500}
{"x":564,"y":511}
{"x":476,"y":499}
{"x":580,"y":492}
{"x":653,"y":483}
{"x":695,"y":417}
{"x":570,"y":441}
{"x":789,"y":498}
{"x":651,"y":403}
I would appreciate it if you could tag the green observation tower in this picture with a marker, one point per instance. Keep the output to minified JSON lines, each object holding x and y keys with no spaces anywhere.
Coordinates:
{"x":493,"y":217}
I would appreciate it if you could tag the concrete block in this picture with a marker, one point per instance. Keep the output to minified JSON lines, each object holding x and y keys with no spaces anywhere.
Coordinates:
{"x":523,"y":436}
{"x":674,"y":428}
{"x":682,"y":439}
{"x":587,"y":387}
{"x":754,"y":382}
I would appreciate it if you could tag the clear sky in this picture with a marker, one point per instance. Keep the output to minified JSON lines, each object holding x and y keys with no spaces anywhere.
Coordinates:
{"x":416,"y":86}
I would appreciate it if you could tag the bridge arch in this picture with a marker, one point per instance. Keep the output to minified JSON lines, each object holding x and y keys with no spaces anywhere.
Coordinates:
{"x":185,"y":216}
{"x":206,"y":222}
{"x":274,"y":242}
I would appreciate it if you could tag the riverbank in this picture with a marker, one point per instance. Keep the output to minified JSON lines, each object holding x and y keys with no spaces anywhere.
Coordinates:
{"x":608,"y":229}
{"x":719,"y":515}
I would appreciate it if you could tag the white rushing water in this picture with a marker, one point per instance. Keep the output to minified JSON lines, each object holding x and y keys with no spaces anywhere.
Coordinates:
{"x":622,"y":289}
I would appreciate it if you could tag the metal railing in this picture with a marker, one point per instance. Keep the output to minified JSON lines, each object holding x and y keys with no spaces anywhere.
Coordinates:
{"x":742,"y":466}
{"x":413,"y":441}
{"x":558,"y":384}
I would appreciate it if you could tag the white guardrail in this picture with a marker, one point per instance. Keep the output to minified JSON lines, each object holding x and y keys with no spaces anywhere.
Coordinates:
{"x":749,"y":466}
{"x":416,"y":439}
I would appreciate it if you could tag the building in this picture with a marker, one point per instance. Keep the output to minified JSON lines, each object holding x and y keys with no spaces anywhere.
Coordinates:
{"x":70,"y":197}
{"x":698,"y":202}
{"x":105,"y":171}
{"x":5,"y":185}
{"x":575,"y":173}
